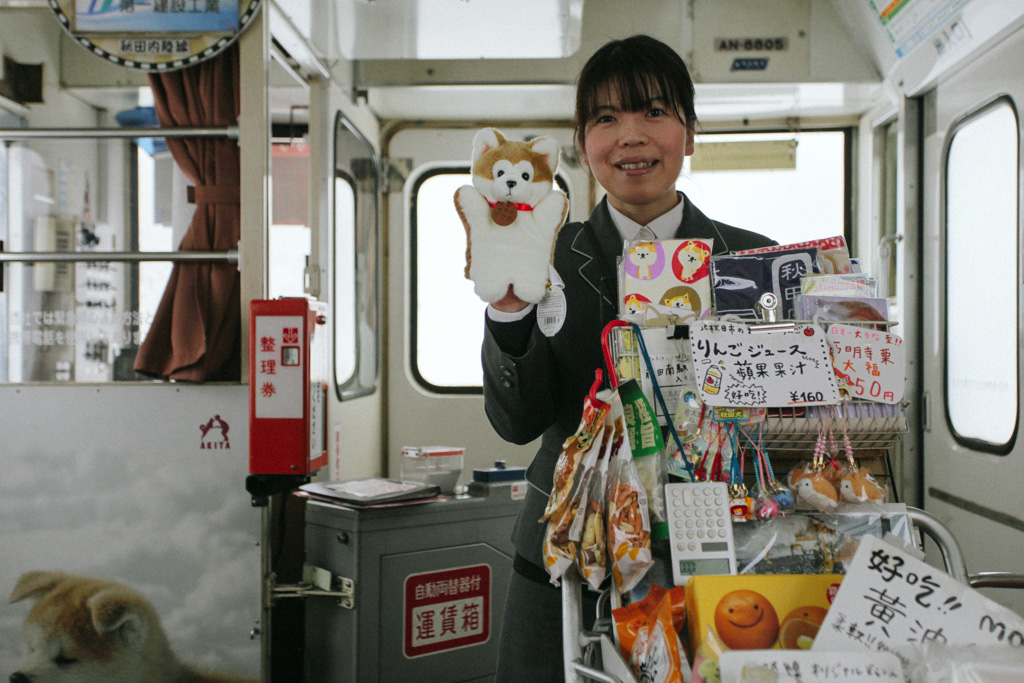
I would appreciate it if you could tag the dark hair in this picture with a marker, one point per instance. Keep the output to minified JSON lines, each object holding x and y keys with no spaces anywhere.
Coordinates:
{"x":638,"y":68}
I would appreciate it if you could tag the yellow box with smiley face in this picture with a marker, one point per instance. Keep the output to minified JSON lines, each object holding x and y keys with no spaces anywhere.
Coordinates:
{"x":757,"y":612}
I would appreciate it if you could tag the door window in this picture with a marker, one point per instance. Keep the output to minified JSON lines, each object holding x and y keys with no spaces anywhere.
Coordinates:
{"x":981,"y":322}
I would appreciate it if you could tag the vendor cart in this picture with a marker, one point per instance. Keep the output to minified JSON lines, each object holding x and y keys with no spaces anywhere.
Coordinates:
{"x":593,"y":655}
{"x":788,"y":433}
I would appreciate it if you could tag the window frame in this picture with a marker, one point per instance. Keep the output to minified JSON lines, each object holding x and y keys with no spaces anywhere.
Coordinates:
{"x":957,"y":125}
{"x":366,"y":228}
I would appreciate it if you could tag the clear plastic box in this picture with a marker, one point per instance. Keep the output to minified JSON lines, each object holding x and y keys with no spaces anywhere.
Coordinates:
{"x":438,"y":465}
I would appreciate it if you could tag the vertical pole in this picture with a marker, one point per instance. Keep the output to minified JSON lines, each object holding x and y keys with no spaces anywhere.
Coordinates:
{"x":266,"y":595}
{"x":571,"y":623}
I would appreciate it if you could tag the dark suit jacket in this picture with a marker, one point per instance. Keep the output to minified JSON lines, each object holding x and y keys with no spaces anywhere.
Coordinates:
{"x":535,"y":385}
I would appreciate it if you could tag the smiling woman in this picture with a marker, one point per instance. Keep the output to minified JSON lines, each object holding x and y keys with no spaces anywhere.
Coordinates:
{"x":634,"y":99}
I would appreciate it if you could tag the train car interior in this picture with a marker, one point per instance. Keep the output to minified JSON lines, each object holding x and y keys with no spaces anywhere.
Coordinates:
{"x":322,"y":147}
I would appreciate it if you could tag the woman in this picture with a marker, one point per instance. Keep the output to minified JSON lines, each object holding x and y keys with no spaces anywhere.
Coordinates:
{"x":635,"y":122}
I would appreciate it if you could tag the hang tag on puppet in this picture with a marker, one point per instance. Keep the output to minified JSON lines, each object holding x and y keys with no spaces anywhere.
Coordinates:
{"x":641,"y":424}
{"x":551,"y":309}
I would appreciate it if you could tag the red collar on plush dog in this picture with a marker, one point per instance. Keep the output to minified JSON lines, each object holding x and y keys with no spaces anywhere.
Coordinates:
{"x":521,"y":207}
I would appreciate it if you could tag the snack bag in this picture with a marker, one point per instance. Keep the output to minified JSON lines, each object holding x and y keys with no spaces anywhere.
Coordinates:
{"x":656,"y":653}
{"x":565,"y":526}
{"x":574,"y":450}
{"x":628,"y":619}
{"x":593,"y":555}
{"x":629,"y":527}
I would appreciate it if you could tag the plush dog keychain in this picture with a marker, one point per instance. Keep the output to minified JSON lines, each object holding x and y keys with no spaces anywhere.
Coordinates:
{"x":512,"y":214}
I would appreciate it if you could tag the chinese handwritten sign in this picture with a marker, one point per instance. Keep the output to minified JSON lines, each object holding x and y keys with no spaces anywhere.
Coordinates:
{"x":870,"y":364}
{"x":737,"y":367}
{"x":277,"y":359}
{"x":890,"y":599}
{"x":447,"y":609}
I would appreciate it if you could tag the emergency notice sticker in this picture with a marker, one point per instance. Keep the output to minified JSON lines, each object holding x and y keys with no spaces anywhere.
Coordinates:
{"x":447,"y":610}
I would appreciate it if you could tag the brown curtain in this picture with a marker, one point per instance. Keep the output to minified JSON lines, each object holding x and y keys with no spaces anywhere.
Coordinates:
{"x":195,"y":334}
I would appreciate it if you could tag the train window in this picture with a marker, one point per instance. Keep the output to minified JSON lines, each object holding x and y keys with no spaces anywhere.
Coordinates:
{"x":356,"y":263}
{"x":793,"y":184}
{"x":446,"y":317}
{"x":82,"y":321}
{"x":981,"y":273}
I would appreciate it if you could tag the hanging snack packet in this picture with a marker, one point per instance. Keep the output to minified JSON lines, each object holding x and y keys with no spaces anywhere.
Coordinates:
{"x":629,"y":527}
{"x":647,"y":444}
{"x":574,"y":450}
{"x":565,"y":527}
{"x":628,"y":620}
{"x":593,"y":555}
{"x":657,"y":654}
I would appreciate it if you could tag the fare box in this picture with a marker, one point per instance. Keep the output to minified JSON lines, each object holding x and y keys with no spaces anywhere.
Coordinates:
{"x":759,"y":611}
{"x":892,"y":602}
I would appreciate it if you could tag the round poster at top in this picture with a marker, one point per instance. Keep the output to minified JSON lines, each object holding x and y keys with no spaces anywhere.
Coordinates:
{"x":154,"y":35}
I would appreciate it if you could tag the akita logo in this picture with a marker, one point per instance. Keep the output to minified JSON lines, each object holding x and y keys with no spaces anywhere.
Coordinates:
{"x":215,"y":434}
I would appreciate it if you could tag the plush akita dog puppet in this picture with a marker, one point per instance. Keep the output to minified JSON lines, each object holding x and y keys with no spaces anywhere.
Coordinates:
{"x":512,"y":214}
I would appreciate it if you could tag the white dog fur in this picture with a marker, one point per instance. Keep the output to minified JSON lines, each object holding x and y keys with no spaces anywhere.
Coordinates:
{"x":517,"y":254}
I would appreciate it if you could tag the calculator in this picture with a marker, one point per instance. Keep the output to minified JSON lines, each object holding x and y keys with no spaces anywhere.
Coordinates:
{"x":700,"y":530}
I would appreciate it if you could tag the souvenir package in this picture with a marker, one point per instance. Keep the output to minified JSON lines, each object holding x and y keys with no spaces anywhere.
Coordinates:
{"x":848,"y":285}
{"x":647,"y":632}
{"x":666,"y":282}
{"x":833,"y":255}
{"x":817,"y":542}
{"x":629,"y":525}
{"x":739,"y":281}
{"x":592,"y":559}
{"x":751,"y":612}
{"x":566,"y":524}
{"x":574,"y":450}
{"x":843,"y":308}
{"x":647,"y":444}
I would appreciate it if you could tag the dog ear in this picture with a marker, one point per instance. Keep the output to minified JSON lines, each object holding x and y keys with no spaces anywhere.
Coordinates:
{"x":35,"y":584}
{"x":485,"y":139}
{"x":548,"y":149}
{"x":118,"y":609}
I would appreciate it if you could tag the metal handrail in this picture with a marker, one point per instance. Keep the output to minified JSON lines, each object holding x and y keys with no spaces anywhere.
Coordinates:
{"x":952,"y":555}
{"x":230,"y":256}
{"x":996,"y":580}
{"x":230,"y":132}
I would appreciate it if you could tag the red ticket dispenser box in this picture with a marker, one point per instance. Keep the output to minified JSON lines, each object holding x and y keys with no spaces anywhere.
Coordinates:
{"x":287,"y":393}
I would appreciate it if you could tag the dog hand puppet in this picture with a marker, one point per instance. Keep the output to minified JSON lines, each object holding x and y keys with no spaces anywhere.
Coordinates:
{"x":512,"y":214}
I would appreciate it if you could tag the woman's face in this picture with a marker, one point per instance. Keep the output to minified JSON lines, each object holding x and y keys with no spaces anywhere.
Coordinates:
{"x":637,"y":156}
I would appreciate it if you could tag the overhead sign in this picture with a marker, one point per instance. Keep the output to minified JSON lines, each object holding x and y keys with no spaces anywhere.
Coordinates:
{"x":154,"y":35}
{"x":447,"y":610}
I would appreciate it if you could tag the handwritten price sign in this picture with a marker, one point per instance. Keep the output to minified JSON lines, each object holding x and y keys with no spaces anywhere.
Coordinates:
{"x":869,"y":364}
{"x":735,"y":365}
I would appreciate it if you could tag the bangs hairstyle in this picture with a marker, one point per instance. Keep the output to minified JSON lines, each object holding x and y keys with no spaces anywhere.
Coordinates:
{"x":638,"y":68}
